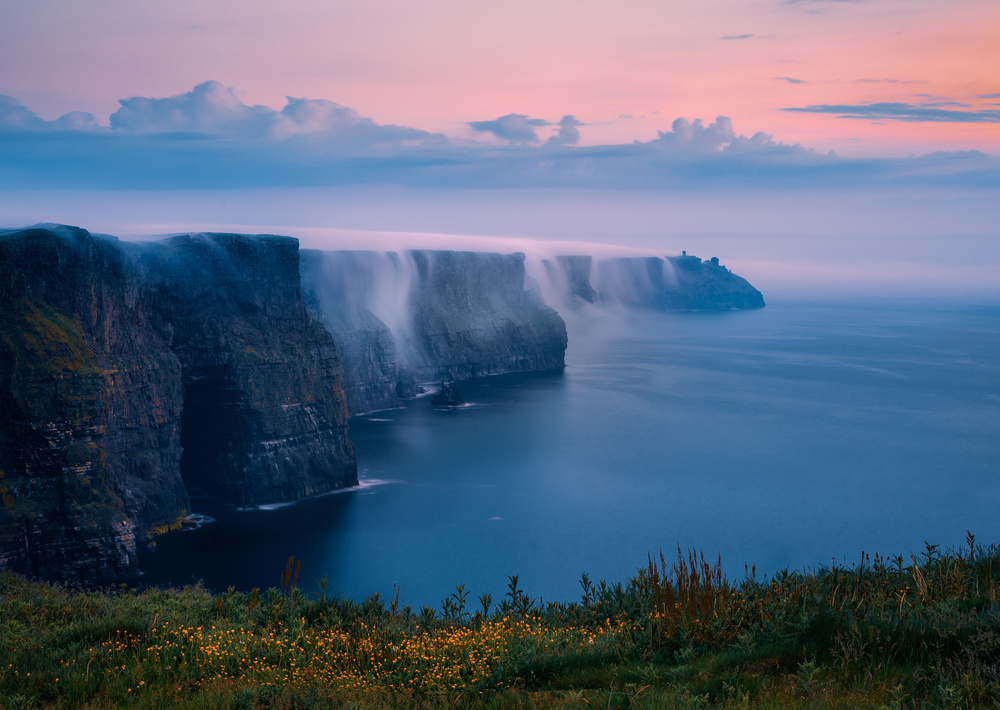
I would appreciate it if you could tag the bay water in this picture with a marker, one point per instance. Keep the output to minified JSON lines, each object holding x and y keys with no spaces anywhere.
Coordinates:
{"x":799,"y":435}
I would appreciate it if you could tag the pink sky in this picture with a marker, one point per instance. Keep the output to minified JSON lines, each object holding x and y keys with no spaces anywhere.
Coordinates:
{"x":438,"y":65}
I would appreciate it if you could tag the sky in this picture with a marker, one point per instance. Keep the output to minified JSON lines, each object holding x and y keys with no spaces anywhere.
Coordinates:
{"x":818,"y":147}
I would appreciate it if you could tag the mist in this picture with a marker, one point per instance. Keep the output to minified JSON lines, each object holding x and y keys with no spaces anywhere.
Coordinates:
{"x":907,"y":243}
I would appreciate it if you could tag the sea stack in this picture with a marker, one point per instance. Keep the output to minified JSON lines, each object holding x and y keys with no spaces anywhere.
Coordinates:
{"x":448,"y":396}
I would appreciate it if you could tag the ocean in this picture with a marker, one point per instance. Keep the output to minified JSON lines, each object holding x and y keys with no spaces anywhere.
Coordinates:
{"x":791,"y":437}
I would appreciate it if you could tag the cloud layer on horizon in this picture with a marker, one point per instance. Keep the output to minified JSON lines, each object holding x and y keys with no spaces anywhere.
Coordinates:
{"x":894,"y":111}
{"x":208,"y":137}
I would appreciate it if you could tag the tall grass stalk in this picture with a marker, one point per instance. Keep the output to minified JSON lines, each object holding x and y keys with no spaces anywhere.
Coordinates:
{"x":879,"y":633}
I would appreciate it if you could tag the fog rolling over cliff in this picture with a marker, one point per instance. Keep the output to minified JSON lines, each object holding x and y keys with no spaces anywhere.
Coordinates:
{"x":135,"y":377}
{"x":671,"y":283}
{"x":400,"y":318}
{"x":417,"y":316}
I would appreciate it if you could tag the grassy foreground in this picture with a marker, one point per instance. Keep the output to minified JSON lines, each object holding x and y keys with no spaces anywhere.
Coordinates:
{"x":881,"y":634}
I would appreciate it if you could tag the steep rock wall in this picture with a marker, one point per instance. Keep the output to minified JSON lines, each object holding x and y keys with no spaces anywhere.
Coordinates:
{"x":428,"y":315}
{"x":340,"y":289}
{"x":132,"y":372}
{"x":90,"y":409}
{"x":265,"y":419}
{"x":473,"y":316}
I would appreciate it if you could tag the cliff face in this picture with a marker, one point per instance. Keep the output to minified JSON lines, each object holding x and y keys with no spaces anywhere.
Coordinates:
{"x":572,"y":274}
{"x":679,"y":283}
{"x":133,"y":374}
{"x":116,"y":358}
{"x":428,"y":315}
{"x":264,"y":417}
{"x":91,"y":409}
{"x":342,"y":289}
{"x":472,"y":316}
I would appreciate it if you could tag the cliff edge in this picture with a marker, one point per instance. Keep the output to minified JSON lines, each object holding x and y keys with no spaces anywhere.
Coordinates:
{"x":133,"y":373}
{"x":134,"y":376}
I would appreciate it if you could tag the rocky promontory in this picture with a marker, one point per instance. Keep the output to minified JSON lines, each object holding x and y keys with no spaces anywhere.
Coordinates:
{"x":671,"y":283}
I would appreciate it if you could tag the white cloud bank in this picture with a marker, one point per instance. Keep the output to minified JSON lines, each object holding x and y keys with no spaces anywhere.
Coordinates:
{"x":209,"y":138}
{"x":212,"y":109}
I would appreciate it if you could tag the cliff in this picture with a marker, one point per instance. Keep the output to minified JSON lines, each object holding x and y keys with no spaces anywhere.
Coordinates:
{"x":91,"y":409}
{"x":131,"y":373}
{"x":264,"y":416}
{"x":676,"y":283}
{"x":428,"y":315}
{"x":343,"y":289}
{"x":135,"y":375}
{"x":473,"y":316}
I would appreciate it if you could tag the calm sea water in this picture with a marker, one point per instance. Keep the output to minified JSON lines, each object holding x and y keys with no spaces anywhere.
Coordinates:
{"x":787,"y":437}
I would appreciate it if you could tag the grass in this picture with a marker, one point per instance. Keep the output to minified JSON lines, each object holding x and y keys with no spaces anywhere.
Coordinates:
{"x":880,"y":634}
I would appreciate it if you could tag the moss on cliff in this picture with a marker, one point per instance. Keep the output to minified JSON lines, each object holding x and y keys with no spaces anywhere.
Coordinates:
{"x":44,"y":340}
{"x":60,"y":517}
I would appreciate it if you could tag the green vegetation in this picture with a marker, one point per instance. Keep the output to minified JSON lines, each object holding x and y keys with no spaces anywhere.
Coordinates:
{"x":53,"y":384}
{"x":879,"y":634}
{"x":44,"y":340}
{"x":177,"y":524}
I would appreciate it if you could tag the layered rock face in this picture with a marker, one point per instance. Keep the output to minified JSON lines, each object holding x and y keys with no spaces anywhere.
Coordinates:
{"x":678,"y":283}
{"x":473,"y":316}
{"x":264,"y":417}
{"x":428,"y":315}
{"x":129,"y":373}
{"x":90,"y":409}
